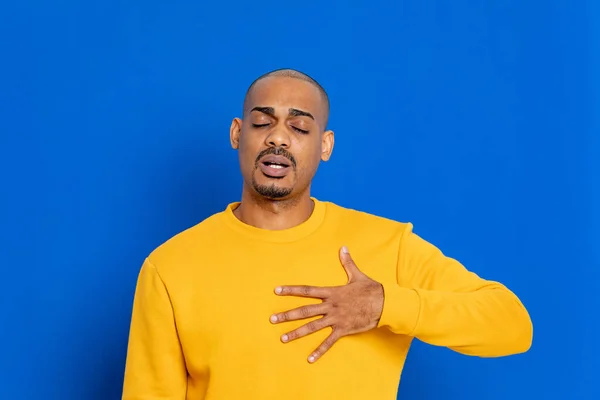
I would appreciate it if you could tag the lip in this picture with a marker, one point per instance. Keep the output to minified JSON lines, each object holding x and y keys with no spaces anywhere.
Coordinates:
{"x":273,"y":159}
{"x":274,"y":171}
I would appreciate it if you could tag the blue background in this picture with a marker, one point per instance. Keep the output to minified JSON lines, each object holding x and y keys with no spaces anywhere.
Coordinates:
{"x":481,"y":119}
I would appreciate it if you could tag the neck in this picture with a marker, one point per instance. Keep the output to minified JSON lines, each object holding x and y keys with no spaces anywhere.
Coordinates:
{"x":263,"y":213}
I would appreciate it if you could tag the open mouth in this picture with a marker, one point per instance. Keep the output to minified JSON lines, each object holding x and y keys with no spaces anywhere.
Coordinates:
{"x":274,"y":166}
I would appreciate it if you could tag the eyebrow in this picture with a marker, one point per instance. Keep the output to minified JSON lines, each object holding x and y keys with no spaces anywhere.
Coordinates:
{"x":293,"y":112}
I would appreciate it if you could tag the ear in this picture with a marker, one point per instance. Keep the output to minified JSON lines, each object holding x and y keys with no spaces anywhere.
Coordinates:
{"x":234,"y":133}
{"x":327,"y":141}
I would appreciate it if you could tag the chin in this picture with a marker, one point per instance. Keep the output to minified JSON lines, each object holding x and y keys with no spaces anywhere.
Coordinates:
{"x":272,"y":188}
{"x":273,"y":191}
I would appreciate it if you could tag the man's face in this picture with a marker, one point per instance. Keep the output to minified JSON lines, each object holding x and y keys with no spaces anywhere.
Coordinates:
{"x":281,"y":139}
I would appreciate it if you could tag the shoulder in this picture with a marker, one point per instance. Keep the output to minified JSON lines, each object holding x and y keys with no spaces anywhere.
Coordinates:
{"x":183,"y":245}
{"x":354,"y":219}
{"x":379,"y":229}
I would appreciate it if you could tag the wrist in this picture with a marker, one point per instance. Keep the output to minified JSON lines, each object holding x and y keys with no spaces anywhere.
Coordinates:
{"x":401,"y":309}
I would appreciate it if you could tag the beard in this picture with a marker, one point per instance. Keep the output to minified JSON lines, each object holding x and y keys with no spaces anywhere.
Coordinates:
{"x":271,"y":191}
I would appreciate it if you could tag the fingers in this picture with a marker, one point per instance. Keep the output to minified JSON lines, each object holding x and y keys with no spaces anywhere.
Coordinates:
{"x":303,"y":291}
{"x":324,"y":347}
{"x":348,"y":263}
{"x":299,"y":313}
{"x":307,"y":329}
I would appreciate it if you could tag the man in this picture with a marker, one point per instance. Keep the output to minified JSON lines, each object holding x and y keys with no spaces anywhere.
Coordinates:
{"x":283,"y":295}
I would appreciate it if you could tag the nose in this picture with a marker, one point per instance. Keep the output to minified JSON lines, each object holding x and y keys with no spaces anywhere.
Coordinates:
{"x":278,"y":138}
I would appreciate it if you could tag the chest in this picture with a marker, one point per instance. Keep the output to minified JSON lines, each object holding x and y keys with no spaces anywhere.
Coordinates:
{"x":225,"y":306}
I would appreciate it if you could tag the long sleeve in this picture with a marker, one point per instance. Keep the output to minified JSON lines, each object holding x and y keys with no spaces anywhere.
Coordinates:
{"x":155,"y":367}
{"x":440,"y":302}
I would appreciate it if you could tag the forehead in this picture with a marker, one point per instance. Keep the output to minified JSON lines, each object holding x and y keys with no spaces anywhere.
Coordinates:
{"x":283,"y":93}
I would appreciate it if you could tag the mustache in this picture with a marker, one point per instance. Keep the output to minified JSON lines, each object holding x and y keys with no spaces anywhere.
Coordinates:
{"x":277,"y":151}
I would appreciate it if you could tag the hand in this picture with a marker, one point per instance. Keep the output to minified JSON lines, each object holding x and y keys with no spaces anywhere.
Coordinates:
{"x":353,"y":308}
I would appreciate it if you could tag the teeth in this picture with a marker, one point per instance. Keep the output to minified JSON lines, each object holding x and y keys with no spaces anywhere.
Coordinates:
{"x":276,"y":166}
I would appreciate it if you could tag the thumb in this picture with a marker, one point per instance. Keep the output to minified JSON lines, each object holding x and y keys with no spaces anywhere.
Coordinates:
{"x":348,"y":263}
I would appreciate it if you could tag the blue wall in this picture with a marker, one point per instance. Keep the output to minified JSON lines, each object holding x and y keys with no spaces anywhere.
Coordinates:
{"x":481,"y":116}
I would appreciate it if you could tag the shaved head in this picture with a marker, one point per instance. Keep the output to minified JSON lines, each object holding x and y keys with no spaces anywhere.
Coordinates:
{"x":291,"y":73}
{"x":282,"y":137}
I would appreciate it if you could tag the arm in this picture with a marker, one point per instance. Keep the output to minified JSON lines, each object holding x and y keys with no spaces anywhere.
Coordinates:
{"x":441,"y":303}
{"x":155,"y":366}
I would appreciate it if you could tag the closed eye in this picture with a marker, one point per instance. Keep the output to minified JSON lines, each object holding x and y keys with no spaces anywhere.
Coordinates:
{"x":300,"y":130}
{"x":260,"y":125}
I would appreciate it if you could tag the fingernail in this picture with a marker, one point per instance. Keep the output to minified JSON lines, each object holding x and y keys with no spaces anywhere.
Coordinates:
{"x":311,"y":359}
{"x":284,"y":338}
{"x":345,"y":250}
{"x":278,"y":290}
{"x":273,"y":318}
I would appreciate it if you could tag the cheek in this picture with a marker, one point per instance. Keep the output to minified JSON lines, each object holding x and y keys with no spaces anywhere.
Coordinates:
{"x":248,"y":151}
{"x":310,"y":161}
{"x":246,"y":162}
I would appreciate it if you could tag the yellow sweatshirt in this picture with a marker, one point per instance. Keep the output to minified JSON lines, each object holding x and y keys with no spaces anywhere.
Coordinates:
{"x":200,"y":325}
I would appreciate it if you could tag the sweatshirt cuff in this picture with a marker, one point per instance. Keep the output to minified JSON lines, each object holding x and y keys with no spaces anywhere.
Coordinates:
{"x":401,"y":309}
